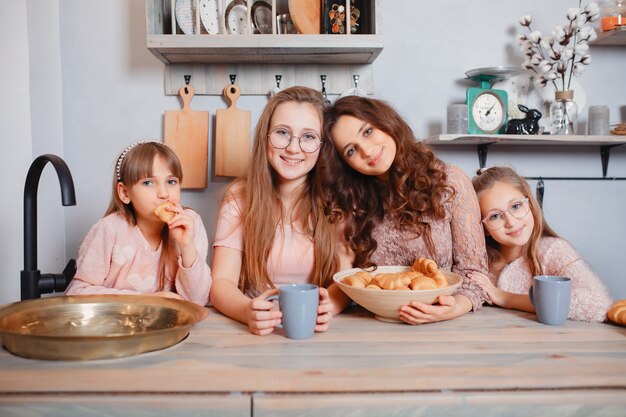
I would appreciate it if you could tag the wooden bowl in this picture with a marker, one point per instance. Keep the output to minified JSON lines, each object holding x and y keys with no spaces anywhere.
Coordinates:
{"x":385,"y":304}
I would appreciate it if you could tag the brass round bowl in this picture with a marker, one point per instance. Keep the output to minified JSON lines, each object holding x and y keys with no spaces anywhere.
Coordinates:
{"x":85,"y":327}
{"x":385,"y":304}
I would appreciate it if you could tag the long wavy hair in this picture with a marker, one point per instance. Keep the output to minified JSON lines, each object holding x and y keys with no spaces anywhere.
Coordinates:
{"x":263,"y":211}
{"x":135,"y":164}
{"x":484,"y":180}
{"x":416,"y":189}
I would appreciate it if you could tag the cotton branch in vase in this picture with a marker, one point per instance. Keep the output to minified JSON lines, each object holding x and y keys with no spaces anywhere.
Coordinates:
{"x":557,"y":57}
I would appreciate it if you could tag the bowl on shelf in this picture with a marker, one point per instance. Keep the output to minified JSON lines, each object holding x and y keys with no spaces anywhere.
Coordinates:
{"x":85,"y":327}
{"x":385,"y":304}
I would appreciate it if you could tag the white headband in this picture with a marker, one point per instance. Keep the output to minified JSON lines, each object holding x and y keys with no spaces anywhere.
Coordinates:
{"x":118,"y":165}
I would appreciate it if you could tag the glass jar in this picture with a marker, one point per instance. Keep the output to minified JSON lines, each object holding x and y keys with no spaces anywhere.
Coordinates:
{"x":563,"y":111}
{"x":612,"y":14}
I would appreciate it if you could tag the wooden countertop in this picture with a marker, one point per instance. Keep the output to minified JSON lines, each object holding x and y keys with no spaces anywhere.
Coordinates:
{"x":492,"y":349}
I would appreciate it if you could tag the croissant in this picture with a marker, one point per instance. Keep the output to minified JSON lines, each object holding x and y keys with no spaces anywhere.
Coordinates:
{"x":425,"y":266}
{"x":373,"y":287}
{"x":360,"y":279}
{"x":393,"y":281}
{"x":439,"y":278}
{"x":423,"y":282}
{"x":162,"y":213}
{"x":617,"y":312}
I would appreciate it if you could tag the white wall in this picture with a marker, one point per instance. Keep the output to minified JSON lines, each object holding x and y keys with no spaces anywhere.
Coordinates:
{"x":112,"y":95}
{"x":15,"y":137}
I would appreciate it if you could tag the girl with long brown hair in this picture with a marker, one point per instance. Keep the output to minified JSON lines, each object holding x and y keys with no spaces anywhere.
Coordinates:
{"x":133,"y":251}
{"x":271,"y":228}
{"x":396,"y":202}
{"x":521,"y":245}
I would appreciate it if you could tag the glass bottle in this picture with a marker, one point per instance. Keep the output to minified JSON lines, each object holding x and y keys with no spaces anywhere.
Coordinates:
{"x":612,"y":15}
{"x":563,"y":111}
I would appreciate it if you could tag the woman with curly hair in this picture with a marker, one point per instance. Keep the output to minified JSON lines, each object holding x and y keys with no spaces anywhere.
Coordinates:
{"x":397,"y":202}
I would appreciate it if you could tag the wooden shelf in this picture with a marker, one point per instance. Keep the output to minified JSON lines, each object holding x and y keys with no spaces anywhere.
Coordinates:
{"x":176,"y":48}
{"x":615,"y":37}
{"x":265,"y":49}
{"x":483,"y":142}
{"x":460,"y":139}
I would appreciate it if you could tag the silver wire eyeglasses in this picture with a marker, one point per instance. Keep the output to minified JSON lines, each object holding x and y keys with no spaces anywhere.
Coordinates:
{"x":309,"y":141}
{"x":517,"y":209}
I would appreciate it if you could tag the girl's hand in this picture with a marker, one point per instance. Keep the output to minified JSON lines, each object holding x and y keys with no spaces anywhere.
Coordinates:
{"x":323,"y":311}
{"x":417,"y":312}
{"x":497,"y":296}
{"x":182,"y":232}
{"x":181,"y":227}
{"x":262,"y":318}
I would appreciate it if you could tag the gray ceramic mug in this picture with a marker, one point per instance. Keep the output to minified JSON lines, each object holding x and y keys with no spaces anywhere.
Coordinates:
{"x":298,"y":303}
{"x":551,"y":296}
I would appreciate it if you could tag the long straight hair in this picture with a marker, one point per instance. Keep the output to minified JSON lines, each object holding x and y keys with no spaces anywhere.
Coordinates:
{"x":135,"y":164}
{"x":485,"y":180}
{"x":263,"y":211}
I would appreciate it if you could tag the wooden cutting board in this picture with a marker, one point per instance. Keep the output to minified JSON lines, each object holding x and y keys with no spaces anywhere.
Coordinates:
{"x":305,"y":15}
{"x":186,"y":131}
{"x":232,"y":137}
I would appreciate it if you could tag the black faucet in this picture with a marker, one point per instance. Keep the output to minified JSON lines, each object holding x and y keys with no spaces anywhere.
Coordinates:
{"x":33,"y":282}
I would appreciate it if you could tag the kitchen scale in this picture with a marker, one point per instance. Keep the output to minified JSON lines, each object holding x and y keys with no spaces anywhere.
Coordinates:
{"x":487,"y":107}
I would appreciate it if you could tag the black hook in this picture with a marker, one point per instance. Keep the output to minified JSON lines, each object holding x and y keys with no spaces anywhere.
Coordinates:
{"x":323,"y":78}
{"x":278,"y":78}
{"x":187,"y":80}
{"x":540,"y":191}
{"x":232,"y":78}
{"x":355,"y":77}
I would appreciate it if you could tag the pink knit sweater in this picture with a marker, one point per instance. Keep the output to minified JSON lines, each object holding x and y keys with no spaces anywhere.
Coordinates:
{"x":590,"y":297}
{"x":458,"y":239}
{"x":115,"y":258}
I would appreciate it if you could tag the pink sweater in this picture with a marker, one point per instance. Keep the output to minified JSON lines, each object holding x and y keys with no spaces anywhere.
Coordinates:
{"x":291,"y":259}
{"x":590,"y":297}
{"x":115,"y":258}
{"x":459,"y":239}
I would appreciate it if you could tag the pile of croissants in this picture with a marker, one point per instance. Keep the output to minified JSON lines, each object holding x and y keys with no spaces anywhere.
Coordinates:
{"x":425,"y":275}
{"x":617,"y":312}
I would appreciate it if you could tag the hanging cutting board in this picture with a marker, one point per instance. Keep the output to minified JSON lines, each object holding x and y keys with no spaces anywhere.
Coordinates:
{"x":232,"y":137}
{"x":305,"y":15}
{"x":186,"y":131}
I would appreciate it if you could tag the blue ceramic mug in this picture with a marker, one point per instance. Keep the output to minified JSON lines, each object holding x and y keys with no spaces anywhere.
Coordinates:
{"x":551,"y":296}
{"x":298,"y":303}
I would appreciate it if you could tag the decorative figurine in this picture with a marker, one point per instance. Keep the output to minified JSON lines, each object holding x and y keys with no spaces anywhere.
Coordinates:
{"x":526,"y":126}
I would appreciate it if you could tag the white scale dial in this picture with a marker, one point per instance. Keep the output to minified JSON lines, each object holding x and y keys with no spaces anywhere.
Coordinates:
{"x":488,"y":112}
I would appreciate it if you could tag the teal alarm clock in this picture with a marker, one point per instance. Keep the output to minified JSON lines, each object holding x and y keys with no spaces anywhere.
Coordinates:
{"x":487,"y":107}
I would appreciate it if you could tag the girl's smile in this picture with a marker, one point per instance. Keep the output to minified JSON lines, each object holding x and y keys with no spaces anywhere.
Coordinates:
{"x":292,"y":164}
{"x":512,"y":233}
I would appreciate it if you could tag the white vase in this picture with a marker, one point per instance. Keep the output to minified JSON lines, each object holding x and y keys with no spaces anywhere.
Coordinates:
{"x":563,"y":111}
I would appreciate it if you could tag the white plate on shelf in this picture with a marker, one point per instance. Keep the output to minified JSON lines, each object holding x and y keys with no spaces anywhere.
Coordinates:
{"x":236,"y":17}
{"x":209,"y":16}
{"x":186,"y":16}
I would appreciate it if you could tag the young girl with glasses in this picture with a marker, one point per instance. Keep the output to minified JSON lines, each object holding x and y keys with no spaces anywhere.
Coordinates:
{"x":397,"y":202}
{"x":132,"y":250}
{"x":520,"y":245}
{"x":271,"y":228}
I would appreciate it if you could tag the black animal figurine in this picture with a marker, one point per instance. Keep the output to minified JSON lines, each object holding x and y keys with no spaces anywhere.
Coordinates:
{"x":526,"y":126}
